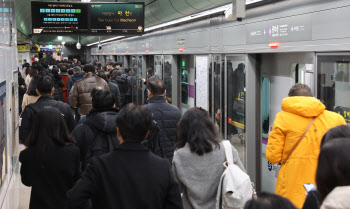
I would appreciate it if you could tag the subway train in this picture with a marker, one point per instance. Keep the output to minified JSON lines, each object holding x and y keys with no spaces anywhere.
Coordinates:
{"x":241,"y":71}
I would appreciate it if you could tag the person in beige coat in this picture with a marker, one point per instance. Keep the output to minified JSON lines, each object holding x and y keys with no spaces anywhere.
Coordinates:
{"x":31,"y":96}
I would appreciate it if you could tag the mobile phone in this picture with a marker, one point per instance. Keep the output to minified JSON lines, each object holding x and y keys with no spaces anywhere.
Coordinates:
{"x":309,"y":187}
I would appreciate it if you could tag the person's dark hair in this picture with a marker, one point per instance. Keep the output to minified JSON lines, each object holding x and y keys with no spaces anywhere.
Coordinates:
{"x":150,"y":72}
{"x":127,"y":70}
{"x":103,"y":99}
{"x":115,"y":74}
{"x":89,"y":68}
{"x":104,"y":68}
{"x":44,"y":64}
{"x":99,"y":65}
{"x":198,"y":130}
{"x":139,"y":122}
{"x":333,"y":167}
{"x":156,"y":86}
{"x":48,"y":132}
{"x":26,"y":65}
{"x":45,"y":85}
{"x":300,"y":90}
{"x":37,"y":67}
{"x":27,"y":70}
{"x":336,"y":132}
{"x":70,"y":71}
{"x":32,"y":72}
{"x":31,"y":91}
{"x":117,"y":63}
{"x":102,"y":75}
{"x":63,"y":69}
{"x":269,"y":201}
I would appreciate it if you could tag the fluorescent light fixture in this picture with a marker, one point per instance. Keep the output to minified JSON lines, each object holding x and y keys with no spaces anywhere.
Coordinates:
{"x":198,"y":15}
{"x":110,"y":39}
{"x":85,"y":0}
{"x":59,"y":38}
{"x":63,"y":43}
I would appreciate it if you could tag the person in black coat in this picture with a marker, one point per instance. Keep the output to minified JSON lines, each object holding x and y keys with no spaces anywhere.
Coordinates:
{"x":45,"y":90}
{"x":57,"y":84}
{"x":51,"y":163}
{"x":166,"y":115}
{"x":22,"y":89}
{"x":131,"y":177}
{"x":99,"y":120}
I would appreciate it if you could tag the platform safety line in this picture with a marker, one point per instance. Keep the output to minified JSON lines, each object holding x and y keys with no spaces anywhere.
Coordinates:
{"x":239,"y":125}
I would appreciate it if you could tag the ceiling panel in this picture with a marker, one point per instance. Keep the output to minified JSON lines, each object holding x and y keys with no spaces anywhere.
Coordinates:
{"x":156,"y":12}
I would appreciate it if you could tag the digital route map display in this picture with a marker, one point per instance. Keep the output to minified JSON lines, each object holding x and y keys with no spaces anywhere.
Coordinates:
{"x":110,"y":18}
{"x":59,"y":18}
{"x":94,"y":19}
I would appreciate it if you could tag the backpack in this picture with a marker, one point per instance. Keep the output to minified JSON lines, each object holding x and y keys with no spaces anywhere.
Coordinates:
{"x":152,"y":142}
{"x":101,"y":144}
{"x":124,"y":85}
{"x":235,"y":187}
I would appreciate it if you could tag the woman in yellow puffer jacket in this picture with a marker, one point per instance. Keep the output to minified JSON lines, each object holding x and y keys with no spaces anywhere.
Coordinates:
{"x":297,"y":112}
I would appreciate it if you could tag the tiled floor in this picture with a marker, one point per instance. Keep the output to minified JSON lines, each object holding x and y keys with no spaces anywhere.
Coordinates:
{"x":24,"y":192}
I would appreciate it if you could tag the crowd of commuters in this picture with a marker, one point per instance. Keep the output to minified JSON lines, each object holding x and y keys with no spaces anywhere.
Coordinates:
{"x":84,"y":145}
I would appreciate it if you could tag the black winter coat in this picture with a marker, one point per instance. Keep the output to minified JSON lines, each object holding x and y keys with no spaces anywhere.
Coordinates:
{"x":167,"y":117}
{"x":30,"y":111}
{"x":21,"y":91}
{"x":57,"y":84}
{"x":103,"y":120}
{"x":131,"y":177}
{"x":50,"y":178}
{"x":115,"y":91}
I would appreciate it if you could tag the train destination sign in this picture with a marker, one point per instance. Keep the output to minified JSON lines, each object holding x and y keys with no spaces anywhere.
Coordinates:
{"x":66,"y":18}
{"x":112,"y":18}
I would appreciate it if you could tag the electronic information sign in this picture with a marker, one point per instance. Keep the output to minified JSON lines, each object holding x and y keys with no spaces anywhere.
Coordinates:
{"x":65,"y":18}
{"x":59,"y":18}
{"x":110,"y":18}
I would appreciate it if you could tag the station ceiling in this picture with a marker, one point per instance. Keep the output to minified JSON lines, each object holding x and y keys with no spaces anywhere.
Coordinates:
{"x":156,"y":12}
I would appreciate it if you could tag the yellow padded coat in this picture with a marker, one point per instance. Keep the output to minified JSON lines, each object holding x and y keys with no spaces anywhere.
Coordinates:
{"x":288,"y":127}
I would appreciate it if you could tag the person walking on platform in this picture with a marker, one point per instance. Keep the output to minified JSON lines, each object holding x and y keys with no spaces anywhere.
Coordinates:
{"x":131,"y":177}
{"x":166,"y":115}
{"x":77,"y":75}
{"x":98,"y":131}
{"x":198,"y":160}
{"x":45,"y":90}
{"x":65,"y":76}
{"x":51,"y":163}
{"x":79,"y":96}
{"x":295,"y":141}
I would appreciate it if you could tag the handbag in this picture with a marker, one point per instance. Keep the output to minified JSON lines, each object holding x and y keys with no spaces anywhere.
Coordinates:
{"x":279,"y":165}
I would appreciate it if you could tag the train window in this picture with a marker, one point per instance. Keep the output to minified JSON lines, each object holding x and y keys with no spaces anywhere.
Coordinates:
{"x":218,"y":90}
{"x":168,"y":77}
{"x":184,"y":68}
{"x":333,"y":84}
{"x":158,"y":66}
{"x":265,"y":105}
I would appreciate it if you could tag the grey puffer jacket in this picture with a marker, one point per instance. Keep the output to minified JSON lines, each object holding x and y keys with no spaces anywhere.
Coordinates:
{"x":167,"y":117}
{"x":199,"y":176}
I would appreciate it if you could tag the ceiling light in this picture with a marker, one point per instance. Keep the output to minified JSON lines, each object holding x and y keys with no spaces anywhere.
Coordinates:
{"x":198,"y":15}
{"x":85,"y":0}
{"x":59,"y":38}
{"x":110,"y":39}
{"x":63,"y":42}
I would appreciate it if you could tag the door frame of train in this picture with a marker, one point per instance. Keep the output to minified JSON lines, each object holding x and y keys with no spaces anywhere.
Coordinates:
{"x":252,"y":114}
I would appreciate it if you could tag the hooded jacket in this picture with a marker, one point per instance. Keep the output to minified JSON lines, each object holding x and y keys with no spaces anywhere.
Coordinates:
{"x":289,"y":125}
{"x":79,"y":96}
{"x":103,"y":120}
{"x":337,"y":199}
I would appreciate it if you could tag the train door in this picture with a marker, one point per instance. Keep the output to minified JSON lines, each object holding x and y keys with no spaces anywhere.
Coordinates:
{"x":278,"y":73}
{"x":333,"y":82}
{"x":216,"y":92}
{"x":235,"y":71}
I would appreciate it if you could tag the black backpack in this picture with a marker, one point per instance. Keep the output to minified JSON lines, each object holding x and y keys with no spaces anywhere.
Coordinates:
{"x":101,"y":144}
{"x":152,"y":142}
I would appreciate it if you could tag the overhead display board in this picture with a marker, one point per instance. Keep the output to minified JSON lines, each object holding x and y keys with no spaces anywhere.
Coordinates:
{"x":112,"y":18}
{"x":66,"y":18}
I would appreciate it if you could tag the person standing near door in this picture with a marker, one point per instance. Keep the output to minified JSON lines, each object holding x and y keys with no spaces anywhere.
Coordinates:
{"x":295,"y":141}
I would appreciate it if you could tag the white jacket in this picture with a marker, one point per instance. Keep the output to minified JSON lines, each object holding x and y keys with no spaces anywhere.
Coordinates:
{"x":337,"y":199}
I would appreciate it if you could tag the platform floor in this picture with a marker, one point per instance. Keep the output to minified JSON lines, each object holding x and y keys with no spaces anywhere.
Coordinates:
{"x":24,"y":192}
